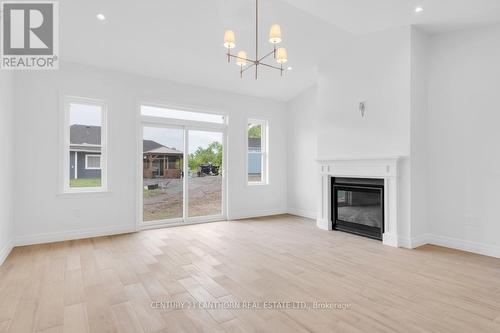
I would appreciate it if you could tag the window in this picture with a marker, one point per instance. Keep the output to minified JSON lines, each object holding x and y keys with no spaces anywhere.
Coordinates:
{"x":257,"y":159}
{"x":93,"y":162}
{"x":84,"y":145}
{"x":153,"y":111}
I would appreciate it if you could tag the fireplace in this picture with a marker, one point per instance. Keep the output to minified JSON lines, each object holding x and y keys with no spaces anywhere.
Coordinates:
{"x":358,"y":206}
{"x":364,"y":171}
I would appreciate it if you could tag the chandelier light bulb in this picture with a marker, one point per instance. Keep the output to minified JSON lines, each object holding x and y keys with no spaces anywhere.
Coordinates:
{"x":275,"y":34}
{"x":229,"y":39}
{"x":241,"y":59}
{"x":281,"y":55}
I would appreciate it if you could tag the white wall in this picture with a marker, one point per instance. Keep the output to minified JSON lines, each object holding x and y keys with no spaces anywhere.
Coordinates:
{"x":302,"y":142}
{"x":418,"y":150}
{"x":463,"y":135}
{"x":374,"y":68}
{"x":42,"y":214}
{"x":432,"y":99}
{"x":7,"y":162}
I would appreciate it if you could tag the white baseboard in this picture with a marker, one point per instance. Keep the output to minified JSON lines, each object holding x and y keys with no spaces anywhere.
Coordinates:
{"x":302,"y":213}
{"x":455,"y":243}
{"x":419,"y":241}
{"x":5,"y":251}
{"x":258,"y":213}
{"x":111,"y":230}
{"x":73,"y":234}
{"x":464,"y":245}
{"x":324,"y":224}
{"x":414,"y":242}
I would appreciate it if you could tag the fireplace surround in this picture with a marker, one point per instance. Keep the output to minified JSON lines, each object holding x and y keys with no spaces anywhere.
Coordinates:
{"x":384,"y":169}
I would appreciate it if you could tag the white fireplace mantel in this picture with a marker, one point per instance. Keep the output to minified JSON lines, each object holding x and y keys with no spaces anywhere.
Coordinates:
{"x":385,"y":168}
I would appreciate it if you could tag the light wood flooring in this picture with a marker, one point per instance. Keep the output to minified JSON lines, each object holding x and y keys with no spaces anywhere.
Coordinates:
{"x":108,"y":284}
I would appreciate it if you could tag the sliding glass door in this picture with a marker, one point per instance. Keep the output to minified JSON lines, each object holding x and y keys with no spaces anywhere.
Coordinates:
{"x":162,"y":170}
{"x":174,"y":191}
{"x":205,"y":156}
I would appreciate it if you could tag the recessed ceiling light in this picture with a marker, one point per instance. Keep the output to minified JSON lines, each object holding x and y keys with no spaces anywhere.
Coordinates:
{"x":101,"y":17}
{"x":419,"y":9}
{"x":290,"y":68}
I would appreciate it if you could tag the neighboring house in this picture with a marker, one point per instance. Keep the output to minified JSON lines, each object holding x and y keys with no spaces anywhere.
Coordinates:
{"x":85,"y":152}
{"x":161,"y":161}
{"x":85,"y":155}
{"x":254,"y":156}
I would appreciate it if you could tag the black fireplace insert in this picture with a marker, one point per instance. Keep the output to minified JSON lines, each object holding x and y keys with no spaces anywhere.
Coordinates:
{"x":358,"y":206}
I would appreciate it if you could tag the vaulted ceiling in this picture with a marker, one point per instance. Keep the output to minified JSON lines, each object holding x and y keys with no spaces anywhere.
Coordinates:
{"x":364,"y":16}
{"x":181,"y":40}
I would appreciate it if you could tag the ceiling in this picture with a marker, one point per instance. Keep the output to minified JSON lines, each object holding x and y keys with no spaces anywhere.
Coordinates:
{"x":364,"y":16}
{"x":181,"y":40}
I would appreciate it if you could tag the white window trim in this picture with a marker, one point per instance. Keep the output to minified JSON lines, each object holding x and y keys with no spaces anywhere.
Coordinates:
{"x":176,"y":120}
{"x":87,"y":162}
{"x":65,"y":130}
{"x":264,"y":152}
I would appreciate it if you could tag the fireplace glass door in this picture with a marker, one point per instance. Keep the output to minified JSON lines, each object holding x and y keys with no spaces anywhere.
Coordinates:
{"x":358,"y":206}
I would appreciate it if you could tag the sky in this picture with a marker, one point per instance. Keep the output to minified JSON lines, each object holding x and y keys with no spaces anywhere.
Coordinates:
{"x":90,"y":115}
{"x":81,"y":114}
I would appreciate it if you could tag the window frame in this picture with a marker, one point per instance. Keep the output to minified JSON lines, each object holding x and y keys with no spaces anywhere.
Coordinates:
{"x":87,"y":162}
{"x":264,"y":152}
{"x":66,"y":107}
{"x":171,"y":118}
{"x":162,"y":122}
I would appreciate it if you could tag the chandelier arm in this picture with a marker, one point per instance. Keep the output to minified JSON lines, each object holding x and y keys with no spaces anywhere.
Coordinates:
{"x":267,"y":55}
{"x":271,"y":66}
{"x":247,"y":68}
{"x":247,"y":59}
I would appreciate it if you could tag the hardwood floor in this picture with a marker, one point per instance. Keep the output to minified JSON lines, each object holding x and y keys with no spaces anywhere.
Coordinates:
{"x":108,"y":284}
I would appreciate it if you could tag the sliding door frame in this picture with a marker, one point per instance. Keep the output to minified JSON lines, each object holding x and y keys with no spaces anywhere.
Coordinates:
{"x":186,"y":126}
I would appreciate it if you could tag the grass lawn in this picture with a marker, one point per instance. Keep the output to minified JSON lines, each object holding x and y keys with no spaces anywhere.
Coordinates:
{"x":89,"y":182}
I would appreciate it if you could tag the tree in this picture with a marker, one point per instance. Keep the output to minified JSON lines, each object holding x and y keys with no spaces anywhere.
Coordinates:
{"x":255,"y":131}
{"x":212,"y":154}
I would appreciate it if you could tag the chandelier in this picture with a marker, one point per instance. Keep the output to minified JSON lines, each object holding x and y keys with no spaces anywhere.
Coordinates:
{"x":242,"y":60}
